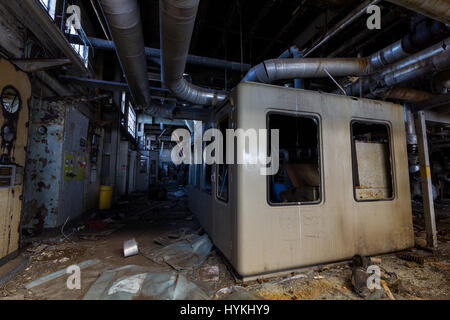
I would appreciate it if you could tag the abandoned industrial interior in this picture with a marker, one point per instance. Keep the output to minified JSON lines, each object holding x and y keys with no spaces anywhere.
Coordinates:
{"x":225,"y":150}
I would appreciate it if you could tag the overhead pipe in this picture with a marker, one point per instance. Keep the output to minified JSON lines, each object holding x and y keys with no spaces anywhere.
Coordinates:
{"x":350,"y":18}
{"x":425,"y":61}
{"x":154,"y":53}
{"x":380,"y":59}
{"x":407,"y":94}
{"x":177,"y":23}
{"x":435,"y":9}
{"x":436,"y":63}
{"x":124,"y":21}
{"x":283,"y":69}
{"x":423,"y":34}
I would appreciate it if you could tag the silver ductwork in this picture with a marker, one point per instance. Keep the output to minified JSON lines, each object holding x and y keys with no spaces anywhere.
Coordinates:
{"x":435,"y":9}
{"x":124,"y":21}
{"x":177,"y":23}
{"x":433,"y":59}
{"x":282,"y":69}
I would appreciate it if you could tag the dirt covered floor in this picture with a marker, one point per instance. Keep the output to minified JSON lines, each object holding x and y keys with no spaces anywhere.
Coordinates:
{"x":95,"y":243}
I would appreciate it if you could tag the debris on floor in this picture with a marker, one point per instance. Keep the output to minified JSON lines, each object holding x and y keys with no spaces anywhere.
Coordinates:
{"x":183,"y":255}
{"x":58,"y":274}
{"x":130,"y":248}
{"x":135,"y":282}
{"x":184,"y":264}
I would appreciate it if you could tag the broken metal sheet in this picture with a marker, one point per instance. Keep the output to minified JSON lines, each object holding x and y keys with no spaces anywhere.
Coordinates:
{"x":134,"y":282}
{"x":183,"y":255}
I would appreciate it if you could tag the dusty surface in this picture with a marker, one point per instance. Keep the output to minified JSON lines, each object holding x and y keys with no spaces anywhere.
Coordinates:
{"x":146,"y":220}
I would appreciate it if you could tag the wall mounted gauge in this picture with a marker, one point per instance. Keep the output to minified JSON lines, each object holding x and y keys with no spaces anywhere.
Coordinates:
{"x":8,"y":133}
{"x":10,"y":100}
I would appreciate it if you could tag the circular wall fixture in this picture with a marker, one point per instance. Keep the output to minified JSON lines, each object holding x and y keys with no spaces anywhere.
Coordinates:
{"x":42,"y":130}
{"x":10,"y":101}
{"x":8,"y":133}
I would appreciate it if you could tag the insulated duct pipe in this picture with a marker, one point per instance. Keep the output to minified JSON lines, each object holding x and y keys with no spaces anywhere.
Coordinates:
{"x":282,"y":69}
{"x":124,"y":21}
{"x":177,"y":23}
{"x":407,"y":94}
{"x":432,"y":59}
{"x":435,"y":9}
{"x":156,"y":54}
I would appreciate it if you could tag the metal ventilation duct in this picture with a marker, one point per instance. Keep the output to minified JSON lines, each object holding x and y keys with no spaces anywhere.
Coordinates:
{"x":434,"y":58}
{"x":436,"y":9}
{"x":124,"y":22}
{"x":177,"y":23}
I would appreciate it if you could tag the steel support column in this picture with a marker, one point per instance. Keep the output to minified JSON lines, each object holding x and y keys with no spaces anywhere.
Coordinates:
{"x":427,"y":187}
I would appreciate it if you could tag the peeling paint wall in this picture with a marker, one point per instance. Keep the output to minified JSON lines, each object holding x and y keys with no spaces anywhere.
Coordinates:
{"x":56,"y":165}
{"x":43,"y":176}
{"x":11,"y":198}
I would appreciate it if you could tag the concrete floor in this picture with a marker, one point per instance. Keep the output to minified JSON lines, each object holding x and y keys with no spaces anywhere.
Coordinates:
{"x":147,"y":220}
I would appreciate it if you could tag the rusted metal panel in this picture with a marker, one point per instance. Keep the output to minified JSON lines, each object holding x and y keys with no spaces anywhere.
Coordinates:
{"x":52,"y":195}
{"x":44,"y":165}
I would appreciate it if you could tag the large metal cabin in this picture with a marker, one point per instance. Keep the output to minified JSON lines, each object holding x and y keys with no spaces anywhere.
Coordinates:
{"x":335,"y":208}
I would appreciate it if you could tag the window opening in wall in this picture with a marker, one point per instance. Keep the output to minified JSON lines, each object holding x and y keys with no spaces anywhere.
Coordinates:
{"x":298,"y":180}
{"x":372,"y":161}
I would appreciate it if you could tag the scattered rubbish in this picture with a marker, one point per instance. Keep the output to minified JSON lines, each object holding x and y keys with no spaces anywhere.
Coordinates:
{"x":162,"y":241}
{"x":388,"y":291}
{"x":134,"y":282}
{"x":375,"y":260}
{"x":96,"y":224}
{"x":58,"y":274}
{"x":421,"y":242}
{"x":412,"y":258}
{"x":178,"y":194}
{"x":130,"y":248}
{"x":15,"y":297}
{"x":38,"y":248}
{"x":209,"y":273}
{"x":185,"y":254}
{"x":10,"y":270}
{"x":318,"y":277}
{"x":63,"y":260}
{"x":359,"y":276}
{"x":297,"y":276}
{"x":94,"y":235}
{"x":236,"y":293}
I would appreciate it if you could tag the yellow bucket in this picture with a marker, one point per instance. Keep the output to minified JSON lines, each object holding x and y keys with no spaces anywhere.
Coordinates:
{"x":105,"y":197}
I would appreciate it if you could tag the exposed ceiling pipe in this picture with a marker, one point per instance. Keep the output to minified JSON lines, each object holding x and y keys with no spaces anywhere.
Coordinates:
{"x":156,"y":54}
{"x":407,"y":94}
{"x":435,"y":9}
{"x":432,"y":59}
{"x":283,"y":69}
{"x":350,"y":18}
{"x":424,"y":34}
{"x":124,"y":21}
{"x":177,"y":23}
